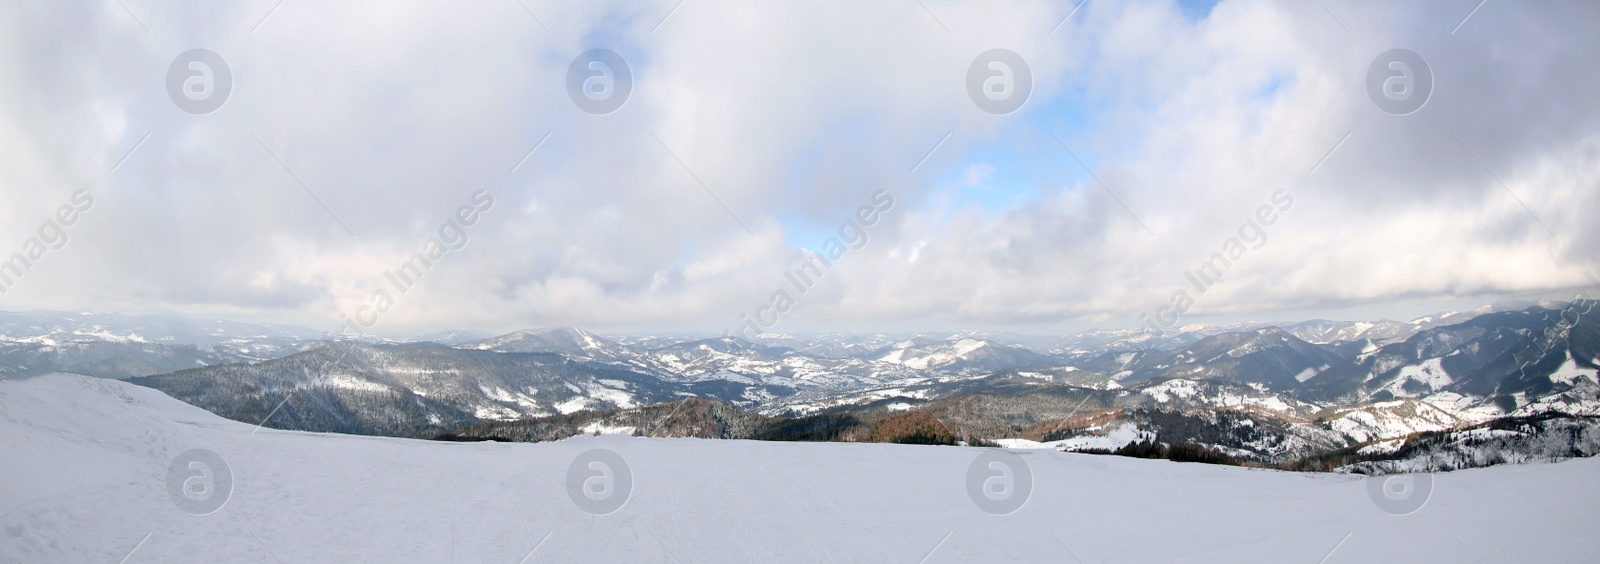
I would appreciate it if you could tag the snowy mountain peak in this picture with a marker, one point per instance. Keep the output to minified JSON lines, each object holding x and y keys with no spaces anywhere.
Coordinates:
{"x":959,"y":355}
{"x":560,"y":340}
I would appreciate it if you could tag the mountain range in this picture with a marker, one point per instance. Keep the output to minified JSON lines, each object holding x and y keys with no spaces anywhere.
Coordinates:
{"x":1263,"y":391}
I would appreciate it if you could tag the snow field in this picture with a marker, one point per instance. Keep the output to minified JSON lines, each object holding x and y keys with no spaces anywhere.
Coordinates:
{"x":88,"y":476}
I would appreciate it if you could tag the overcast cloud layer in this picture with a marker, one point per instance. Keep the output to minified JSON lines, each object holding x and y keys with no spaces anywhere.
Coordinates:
{"x":756,"y":129}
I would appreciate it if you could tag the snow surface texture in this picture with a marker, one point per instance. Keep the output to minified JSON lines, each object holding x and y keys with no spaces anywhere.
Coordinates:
{"x":88,"y":476}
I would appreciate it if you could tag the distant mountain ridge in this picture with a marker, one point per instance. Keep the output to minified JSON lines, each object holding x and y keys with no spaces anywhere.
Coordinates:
{"x":118,"y":346}
{"x":569,"y":341}
{"x":1304,"y":386}
{"x":410,"y":390}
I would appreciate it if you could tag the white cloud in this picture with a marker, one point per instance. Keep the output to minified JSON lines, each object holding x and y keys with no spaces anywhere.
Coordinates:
{"x":793,"y":112}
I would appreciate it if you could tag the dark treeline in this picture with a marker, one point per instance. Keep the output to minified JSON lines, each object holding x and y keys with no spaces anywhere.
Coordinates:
{"x":711,"y":419}
{"x":1177,"y":452}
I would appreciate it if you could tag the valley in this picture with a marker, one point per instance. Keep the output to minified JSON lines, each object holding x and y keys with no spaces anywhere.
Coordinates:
{"x":1269,"y":394}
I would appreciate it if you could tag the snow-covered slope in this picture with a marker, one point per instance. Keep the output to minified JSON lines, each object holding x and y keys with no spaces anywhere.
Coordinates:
{"x":1268,"y":356}
{"x":103,"y":471}
{"x":959,"y":354}
{"x":52,"y":327}
{"x":571,"y":342}
{"x":406,"y":390}
{"x":1507,"y":360}
{"x":1399,"y":418}
{"x":112,"y":345}
{"x":1383,"y":331}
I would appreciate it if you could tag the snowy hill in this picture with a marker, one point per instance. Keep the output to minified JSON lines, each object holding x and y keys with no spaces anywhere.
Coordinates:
{"x":1383,"y":331}
{"x":1513,"y":360}
{"x":408,"y":390}
{"x":766,"y":371}
{"x":103,"y":471}
{"x":1267,"y":356}
{"x":1261,"y":394}
{"x":571,"y":342}
{"x":49,"y":327}
{"x":960,"y":354}
{"x":113,"y":345}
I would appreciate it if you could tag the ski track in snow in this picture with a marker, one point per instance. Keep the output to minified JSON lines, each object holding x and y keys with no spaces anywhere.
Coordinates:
{"x":85,"y":482}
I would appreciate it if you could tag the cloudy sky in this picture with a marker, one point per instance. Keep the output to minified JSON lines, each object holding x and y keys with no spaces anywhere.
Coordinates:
{"x":1150,"y":134}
